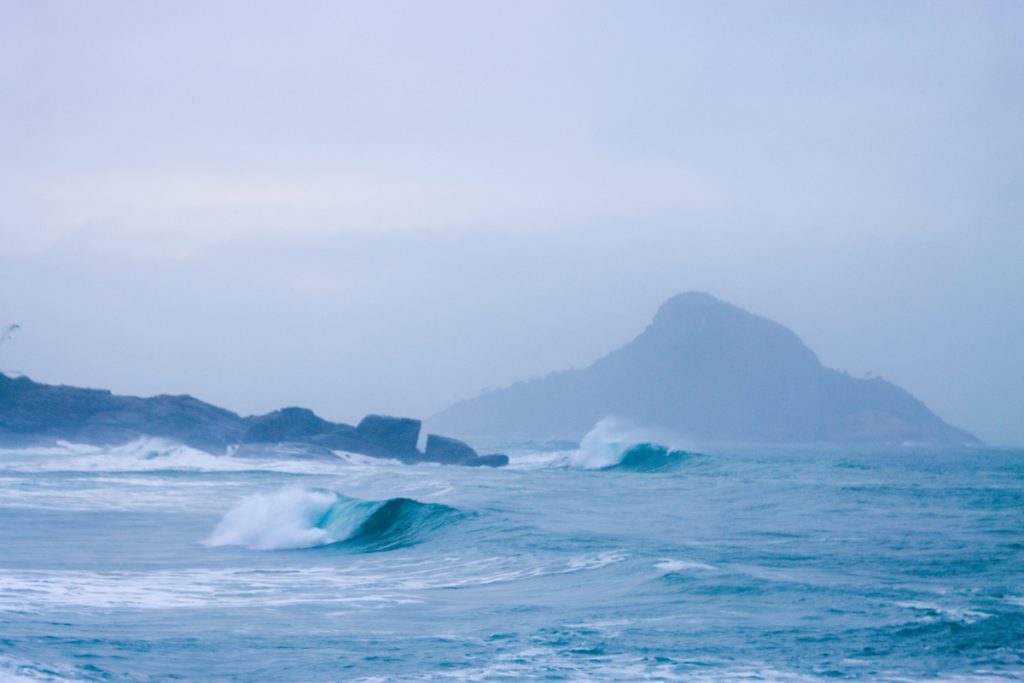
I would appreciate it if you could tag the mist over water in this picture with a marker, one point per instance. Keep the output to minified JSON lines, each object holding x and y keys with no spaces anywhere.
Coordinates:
{"x":519,"y":198}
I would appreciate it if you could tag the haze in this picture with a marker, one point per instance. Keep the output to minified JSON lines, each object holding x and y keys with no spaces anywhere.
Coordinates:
{"x":385,"y":207}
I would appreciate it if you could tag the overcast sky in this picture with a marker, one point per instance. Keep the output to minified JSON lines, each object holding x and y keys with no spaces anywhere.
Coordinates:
{"x":385,"y":206}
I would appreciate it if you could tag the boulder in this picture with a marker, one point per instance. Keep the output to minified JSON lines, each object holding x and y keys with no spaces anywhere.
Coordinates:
{"x":395,"y":435}
{"x":490,"y":460}
{"x":448,"y":451}
{"x":286,"y":424}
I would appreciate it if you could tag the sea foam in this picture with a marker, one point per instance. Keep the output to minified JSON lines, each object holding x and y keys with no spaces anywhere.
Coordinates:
{"x":615,"y":444}
{"x":292,"y":518}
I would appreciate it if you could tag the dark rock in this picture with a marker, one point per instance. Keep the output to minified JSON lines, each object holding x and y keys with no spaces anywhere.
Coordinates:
{"x":449,"y":451}
{"x":343,"y":437}
{"x":397,"y":435}
{"x":377,"y":435}
{"x":287,"y":424}
{"x":491,"y":460}
{"x":33,"y":413}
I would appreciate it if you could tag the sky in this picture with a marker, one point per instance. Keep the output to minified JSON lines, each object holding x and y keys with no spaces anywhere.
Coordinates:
{"x":390,"y":206}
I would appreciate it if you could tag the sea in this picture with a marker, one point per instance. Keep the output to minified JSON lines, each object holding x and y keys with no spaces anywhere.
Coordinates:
{"x":607,"y":561}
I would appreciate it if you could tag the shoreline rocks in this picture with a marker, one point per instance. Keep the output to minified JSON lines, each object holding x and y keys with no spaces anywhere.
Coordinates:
{"x":35,"y":414}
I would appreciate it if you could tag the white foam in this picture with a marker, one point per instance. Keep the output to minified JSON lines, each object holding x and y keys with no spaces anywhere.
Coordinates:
{"x":21,"y":671}
{"x":141,"y":455}
{"x":59,"y":448}
{"x":525,"y":663}
{"x":86,"y":494}
{"x":933,"y":611}
{"x":367,"y":460}
{"x":541,"y":460}
{"x":360,"y":582}
{"x":611,"y":437}
{"x":158,"y":455}
{"x":672,"y":566}
{"x":602,"y":447}
{"x":280,"y":520}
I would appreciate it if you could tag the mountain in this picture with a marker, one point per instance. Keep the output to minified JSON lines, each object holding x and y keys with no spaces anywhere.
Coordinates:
{"x":710,"y":371}
{"x":34,"y":414}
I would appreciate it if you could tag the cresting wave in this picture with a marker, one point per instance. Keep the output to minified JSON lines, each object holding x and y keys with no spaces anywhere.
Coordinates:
{"x":614,"y":445}
{"x":294,"y":518}
{"x":650,"y":457}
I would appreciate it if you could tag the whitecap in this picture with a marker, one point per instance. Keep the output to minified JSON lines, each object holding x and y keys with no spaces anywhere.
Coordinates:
{"x":932,"y":611}
{"x":677,"y":565}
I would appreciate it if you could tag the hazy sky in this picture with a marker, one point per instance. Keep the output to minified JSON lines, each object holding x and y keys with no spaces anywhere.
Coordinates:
{"x":385,"y":206}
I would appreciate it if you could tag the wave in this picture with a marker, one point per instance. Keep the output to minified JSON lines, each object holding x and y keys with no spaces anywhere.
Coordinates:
{"x":614,"y":445}
{"x":293,"y":518}
{"x":22,"y":671}
{"x":370,"y":581}
{"x":930,"y":612}
{"x":650,"y":457}
{"x":674,"y":566}
{"x":152,"y":454}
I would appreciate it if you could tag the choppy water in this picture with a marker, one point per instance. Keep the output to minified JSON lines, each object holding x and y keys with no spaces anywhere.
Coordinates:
{"x":152,"y":562}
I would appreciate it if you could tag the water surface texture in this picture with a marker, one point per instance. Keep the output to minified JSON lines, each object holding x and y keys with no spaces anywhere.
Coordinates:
{"x":152,"y":562}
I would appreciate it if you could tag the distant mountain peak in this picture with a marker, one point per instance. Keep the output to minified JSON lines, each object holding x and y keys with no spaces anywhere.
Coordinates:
{"x":688,"y":303}
{"x":700,"y":312}
{"x":711,"y":371}
{"x":698,"y":327}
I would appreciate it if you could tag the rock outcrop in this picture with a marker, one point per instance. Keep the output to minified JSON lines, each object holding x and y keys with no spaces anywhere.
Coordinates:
{"x":286,"y":424}
{"x":33,"y":413}
{"x":379,"y":435}
{"x":40,"y":414}
{"x":394,"y":434}
{"x":448,"y":451}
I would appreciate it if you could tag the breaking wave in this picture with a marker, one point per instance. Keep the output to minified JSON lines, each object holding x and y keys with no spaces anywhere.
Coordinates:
{"x":650,"y":457}
{"x":294,"y":518}
{"x":613,"y":445}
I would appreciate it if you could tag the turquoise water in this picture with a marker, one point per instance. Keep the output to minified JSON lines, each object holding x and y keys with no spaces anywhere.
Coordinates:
{"x":152,"y":563}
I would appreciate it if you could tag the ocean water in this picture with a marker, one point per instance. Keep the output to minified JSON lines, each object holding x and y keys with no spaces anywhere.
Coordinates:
{"x":153,"y":562}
